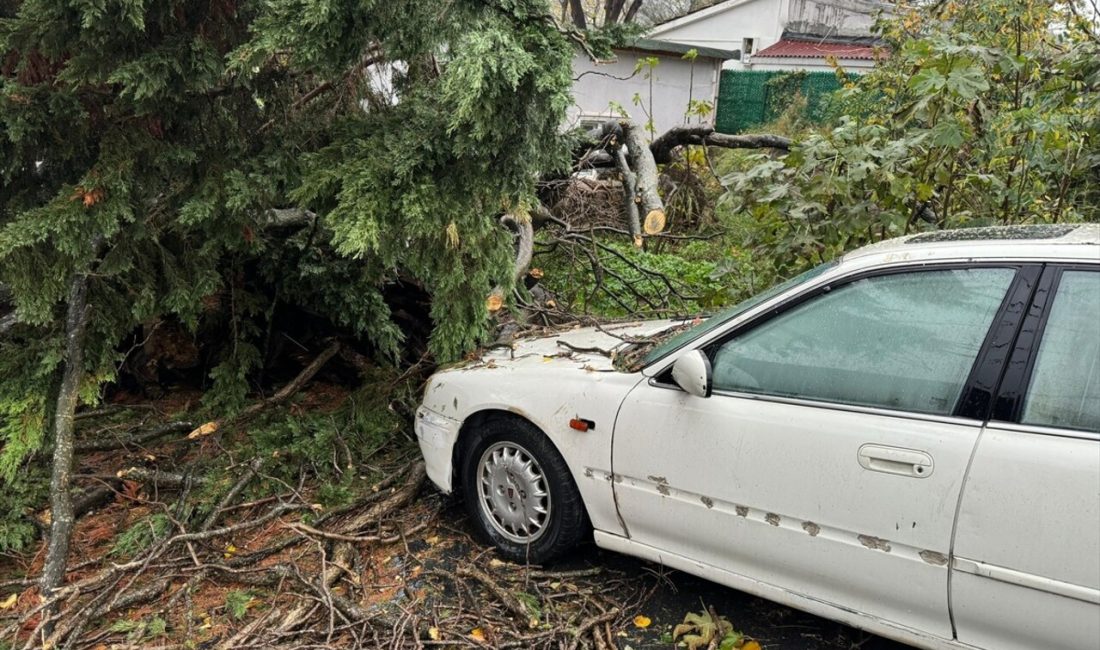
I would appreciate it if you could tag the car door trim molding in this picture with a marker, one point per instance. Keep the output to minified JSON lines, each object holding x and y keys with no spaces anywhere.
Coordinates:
{"x":832,"y":406}
{"x":1029,"y":580}
{"x":783,"y":596}
{"x":1036,"y":429}
{"x":987,"y":372}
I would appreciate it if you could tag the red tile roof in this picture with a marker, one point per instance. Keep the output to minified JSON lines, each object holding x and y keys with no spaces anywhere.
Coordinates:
{"x":805,"y":49}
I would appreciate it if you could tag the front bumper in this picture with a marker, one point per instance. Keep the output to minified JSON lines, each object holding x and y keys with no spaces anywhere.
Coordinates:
{"x":437,"y":435}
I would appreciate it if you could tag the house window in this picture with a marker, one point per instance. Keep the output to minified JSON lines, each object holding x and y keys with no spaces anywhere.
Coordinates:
{"x":746,"y":46}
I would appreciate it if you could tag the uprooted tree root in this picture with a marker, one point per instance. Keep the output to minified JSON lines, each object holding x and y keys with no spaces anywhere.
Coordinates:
{"x":318,"y":583}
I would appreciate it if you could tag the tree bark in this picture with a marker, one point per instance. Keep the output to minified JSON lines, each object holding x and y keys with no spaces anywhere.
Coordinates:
{"x":63,"y":424}
{"x":663,"y":146}
{"x":576,"y":9}
{"x":630,"y":199}
{"x":633,"y":11}
{"x":645,"y":166}
{"x":525,"y":243}
{"x":612,"y":10}
{"x":7,"y":320}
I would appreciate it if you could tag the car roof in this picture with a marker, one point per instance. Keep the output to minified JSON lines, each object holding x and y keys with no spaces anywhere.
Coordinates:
{"x":1062,"y":242}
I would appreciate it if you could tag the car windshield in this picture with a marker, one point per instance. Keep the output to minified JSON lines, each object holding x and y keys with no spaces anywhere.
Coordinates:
{"x":715,"y":321}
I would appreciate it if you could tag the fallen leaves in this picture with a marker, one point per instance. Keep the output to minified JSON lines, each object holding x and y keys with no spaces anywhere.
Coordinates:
{"x":9,"y":602}
{"x":707,"y":628}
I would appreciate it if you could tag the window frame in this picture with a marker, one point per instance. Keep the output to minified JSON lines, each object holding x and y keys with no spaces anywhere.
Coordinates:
{"x":1004,"y":326}
{"x":1008,"y":405}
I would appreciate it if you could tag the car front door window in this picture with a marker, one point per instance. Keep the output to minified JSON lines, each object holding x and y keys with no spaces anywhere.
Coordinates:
{"x":903,"y":341}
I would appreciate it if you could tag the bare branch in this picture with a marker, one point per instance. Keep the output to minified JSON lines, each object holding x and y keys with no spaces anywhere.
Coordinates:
{"x":663,"y":146}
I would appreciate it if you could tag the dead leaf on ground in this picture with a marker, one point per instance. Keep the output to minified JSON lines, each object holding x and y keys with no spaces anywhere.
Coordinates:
{"x":700,"y":630}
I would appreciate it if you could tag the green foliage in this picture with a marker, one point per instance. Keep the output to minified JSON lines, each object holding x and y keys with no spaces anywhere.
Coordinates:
{"x":142,"y":534}
{"x":237,"y":603}
{"x":23,"y":494}
{"x":148,"y":142}
{"x":633,"y":281}
{"x":140,"y":629}
{"x":955,"y":129}
{"x":320,"y":441}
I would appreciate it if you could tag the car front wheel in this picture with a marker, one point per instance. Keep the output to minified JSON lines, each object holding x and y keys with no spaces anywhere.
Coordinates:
{"x":520,"y":493}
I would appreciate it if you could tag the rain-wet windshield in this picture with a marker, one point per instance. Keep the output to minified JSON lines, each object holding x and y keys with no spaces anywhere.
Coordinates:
{"x":712,"y":323}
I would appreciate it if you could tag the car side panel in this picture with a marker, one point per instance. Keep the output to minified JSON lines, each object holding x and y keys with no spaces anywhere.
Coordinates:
{"x":775,"y":490}
{"x":1026,"y":567}
{"x":548,"y":395}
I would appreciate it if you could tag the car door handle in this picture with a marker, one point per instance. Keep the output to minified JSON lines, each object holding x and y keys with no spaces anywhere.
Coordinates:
{"x":895,"y":460}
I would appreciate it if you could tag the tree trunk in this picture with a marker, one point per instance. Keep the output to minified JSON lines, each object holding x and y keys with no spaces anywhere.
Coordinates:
{"x":612,"y":10}
{"x":576,"y":8}
{"x":633,"y":11}
{"x":648,"y":177}
{"x":61,"y":503}
{"x":524,"y":231}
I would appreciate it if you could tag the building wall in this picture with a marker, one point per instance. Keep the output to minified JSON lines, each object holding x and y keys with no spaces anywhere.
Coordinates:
{"x":760,"y":20}
{"x":597,"y":85}
{"x":833,"y":17}
{"x":765,"y":20}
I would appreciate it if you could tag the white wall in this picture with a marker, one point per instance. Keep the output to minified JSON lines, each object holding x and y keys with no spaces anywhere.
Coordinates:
{"x":727,"y":24}
{"x":760,"y":20}
{"x":833,"y":17}
{"x":596,"y":85}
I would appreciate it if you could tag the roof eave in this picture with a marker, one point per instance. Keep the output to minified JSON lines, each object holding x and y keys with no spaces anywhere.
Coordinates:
{"x":695,"y":16}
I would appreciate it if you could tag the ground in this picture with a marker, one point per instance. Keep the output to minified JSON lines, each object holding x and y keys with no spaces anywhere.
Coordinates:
{"x":392,"y":563}
{"x":669,"y":595}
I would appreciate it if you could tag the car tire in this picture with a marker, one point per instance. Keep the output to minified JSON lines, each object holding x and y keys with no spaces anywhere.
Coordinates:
{"x":506,"y":466}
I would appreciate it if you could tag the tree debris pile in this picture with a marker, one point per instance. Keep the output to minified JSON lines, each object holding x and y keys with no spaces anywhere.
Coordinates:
{"x":171,"y":554}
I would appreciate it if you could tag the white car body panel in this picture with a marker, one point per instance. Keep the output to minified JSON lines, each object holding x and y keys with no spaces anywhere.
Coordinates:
{"x":983,"y":562}
{"x":548,"y":384}
{"x":787,"y":597}
{"x":782,"y":479}
{"x":1017,"y":552}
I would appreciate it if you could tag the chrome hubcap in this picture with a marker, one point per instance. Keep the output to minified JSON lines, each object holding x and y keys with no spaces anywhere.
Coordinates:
{"x":514,"y":495}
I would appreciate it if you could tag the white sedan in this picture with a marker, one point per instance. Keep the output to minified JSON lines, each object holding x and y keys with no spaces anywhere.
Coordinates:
{"x":906,"y":440}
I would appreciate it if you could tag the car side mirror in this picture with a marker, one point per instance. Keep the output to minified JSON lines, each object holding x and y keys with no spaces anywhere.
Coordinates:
{"x":692,"y":373}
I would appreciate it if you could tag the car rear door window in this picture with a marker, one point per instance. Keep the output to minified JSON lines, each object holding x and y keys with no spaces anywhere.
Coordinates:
{"x":902,"y":341}
{"x":1065,"y":384}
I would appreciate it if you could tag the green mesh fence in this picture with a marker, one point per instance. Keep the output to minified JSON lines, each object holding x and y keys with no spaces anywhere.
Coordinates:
{"x":750,"y":98}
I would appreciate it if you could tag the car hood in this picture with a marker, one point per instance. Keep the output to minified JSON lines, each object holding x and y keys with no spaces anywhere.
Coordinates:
{"x":589,"y":348}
